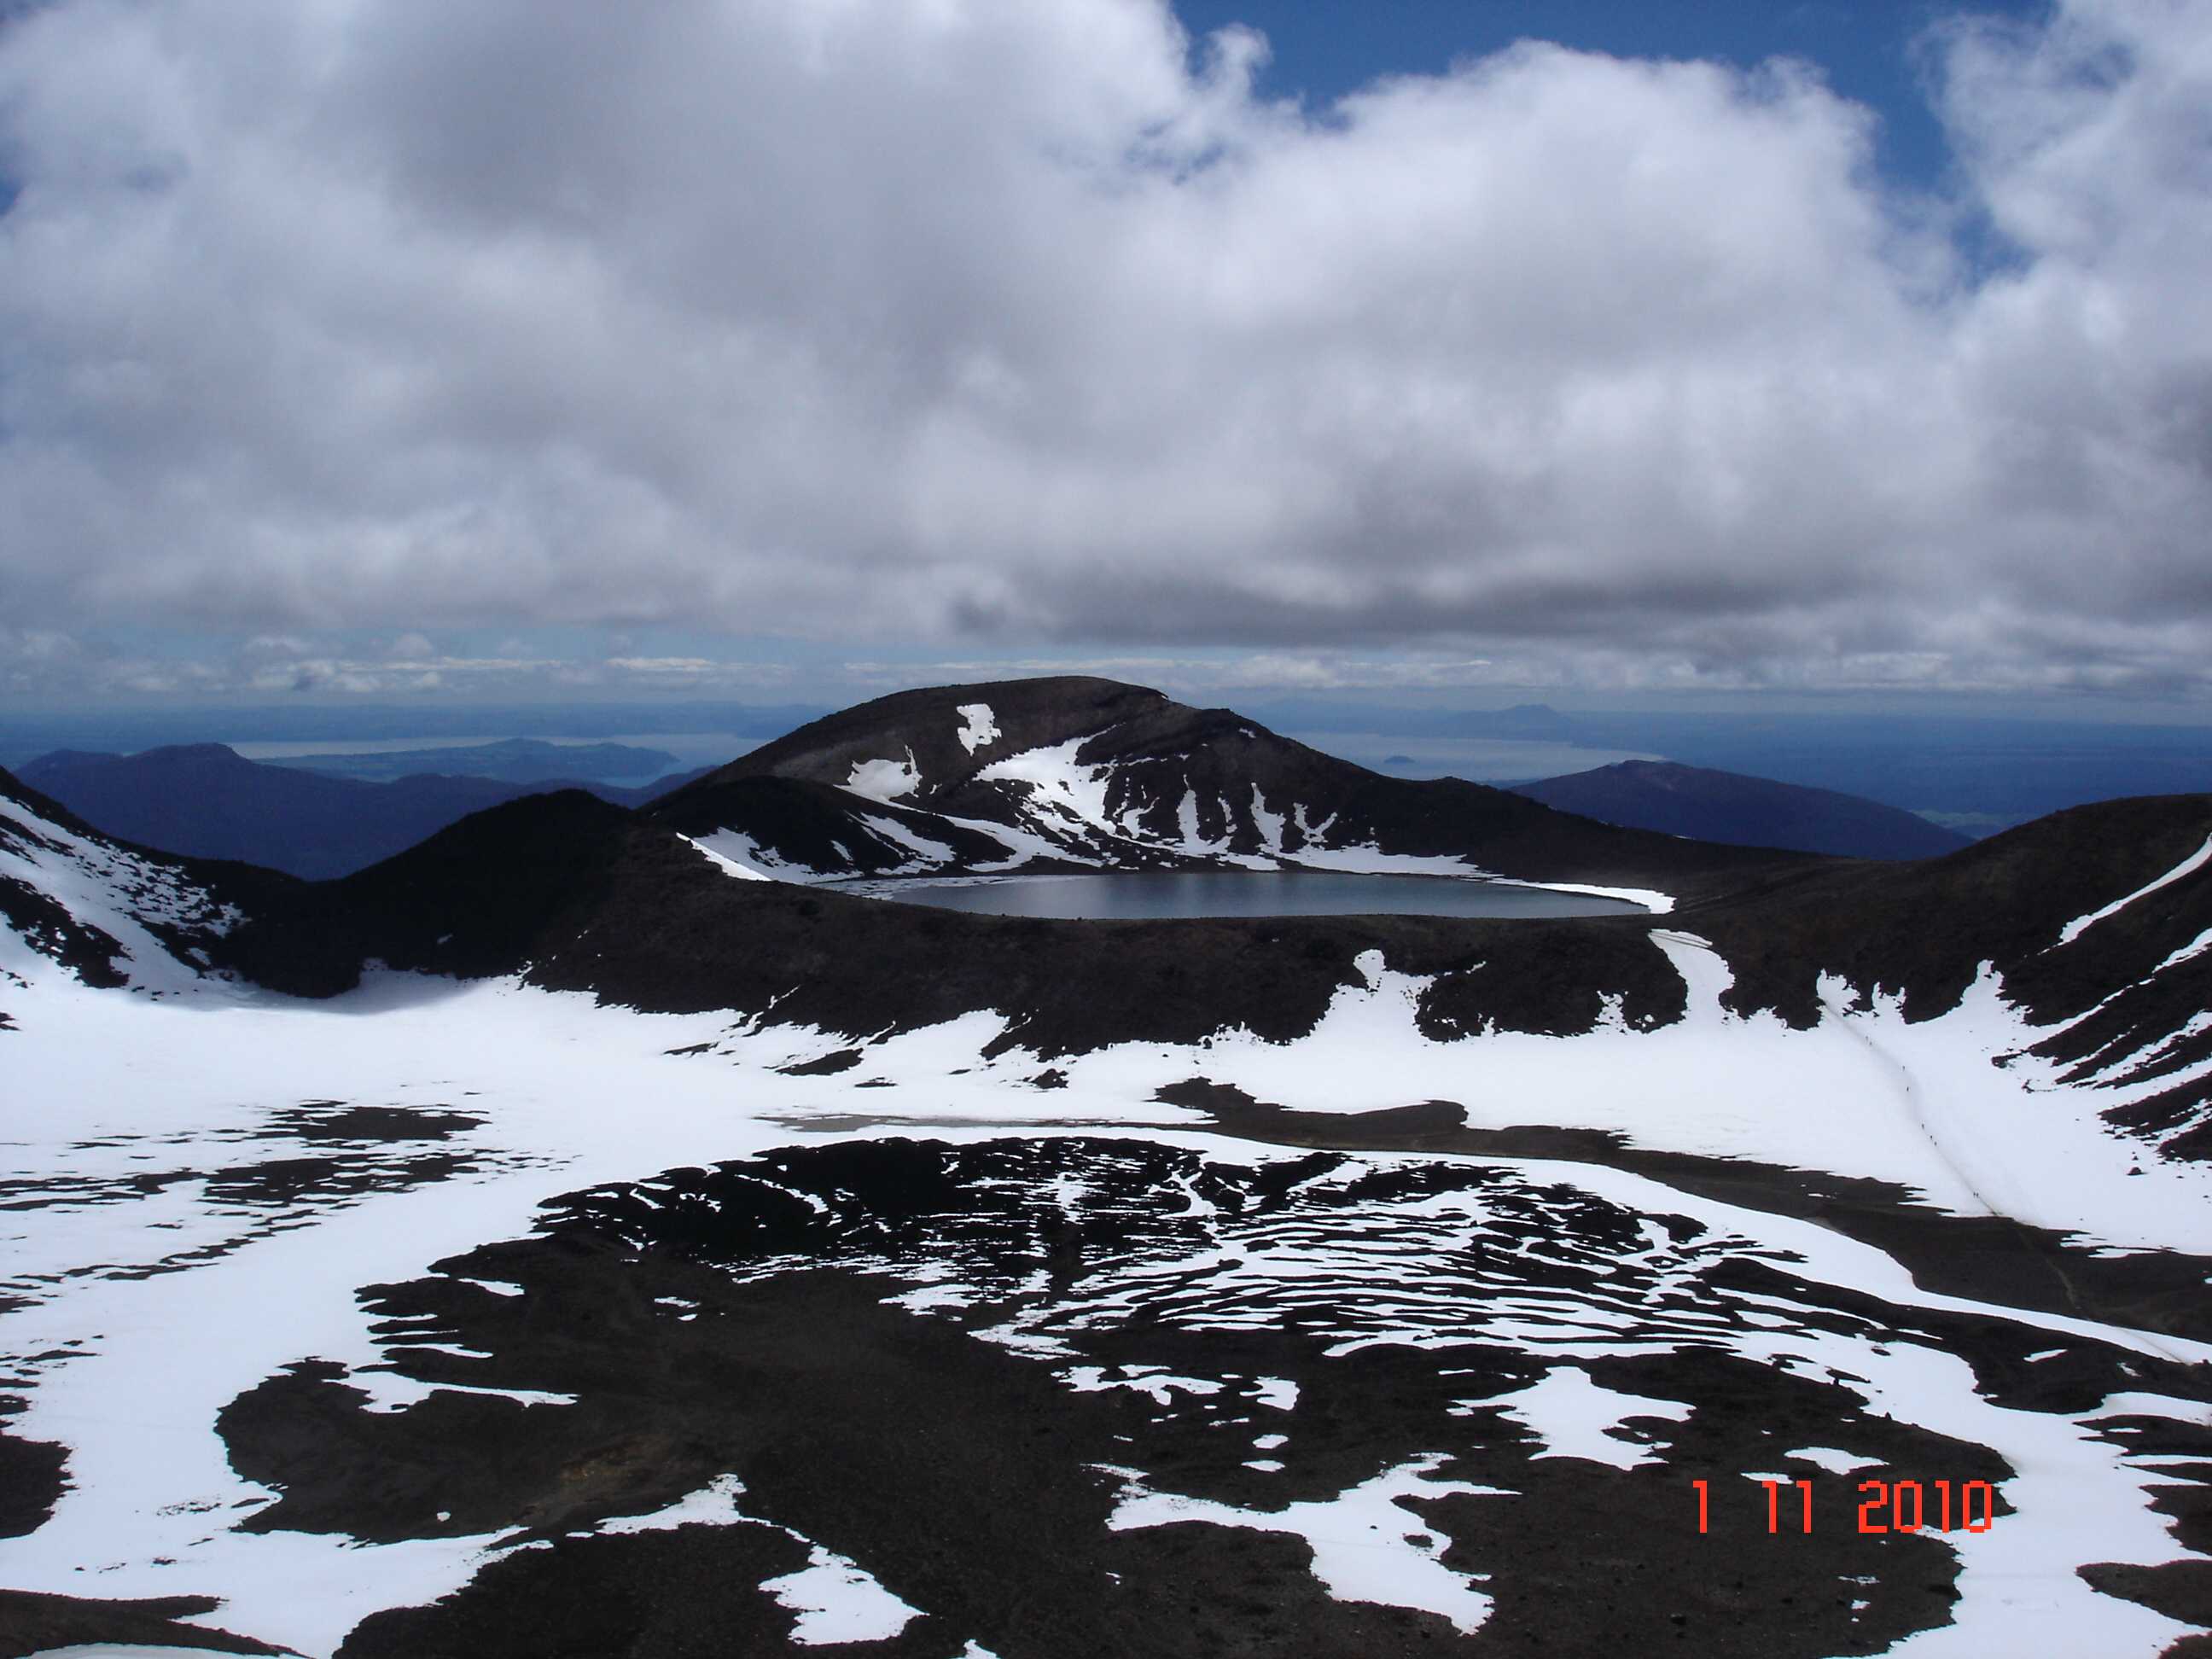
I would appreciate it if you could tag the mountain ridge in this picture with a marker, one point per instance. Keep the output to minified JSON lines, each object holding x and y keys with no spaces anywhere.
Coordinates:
{"x":206,"y":800}
{"x":639,"y":909}
{"x":1738,"y":810}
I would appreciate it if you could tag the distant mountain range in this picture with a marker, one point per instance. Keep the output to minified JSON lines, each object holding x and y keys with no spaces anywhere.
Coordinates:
{"x":790,"y":807}
{"x":1726,"y":806}
{"x":129,"y":729}
{"x":514,"y":760}
{"x":204,"y":800}
{"x":1972,"y":772}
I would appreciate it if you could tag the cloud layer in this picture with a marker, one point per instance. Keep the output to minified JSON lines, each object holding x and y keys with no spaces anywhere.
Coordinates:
{"x":869,"y":320}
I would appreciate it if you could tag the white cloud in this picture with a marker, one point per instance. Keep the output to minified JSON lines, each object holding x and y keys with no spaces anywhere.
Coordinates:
{"x":868,"y":319}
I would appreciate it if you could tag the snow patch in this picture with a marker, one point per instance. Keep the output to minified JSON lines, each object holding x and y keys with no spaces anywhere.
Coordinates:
{"x":979,"y":726}
{"x":2195,"y":947}
{"x":837,"y":1602}
{"x":2189,"y":866}
{"x":1576,"y":1416}
{"x":1056,"y":783}
{"x":1270,"y":824}
{"x":121,"y":893}
{"x":731,"y":863}
{"x":928,"y":855}
{"x":1829,"y":1458}
{"x":1365,"y":1547}
{"x":885,"y":781}
{"x":835,"y":1599}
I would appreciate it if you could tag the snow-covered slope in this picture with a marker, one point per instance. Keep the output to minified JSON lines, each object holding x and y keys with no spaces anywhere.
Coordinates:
{"x":110,"y":914}
{"x":928,"y":1343}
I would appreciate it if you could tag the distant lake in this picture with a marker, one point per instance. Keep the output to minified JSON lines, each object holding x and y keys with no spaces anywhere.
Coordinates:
{"x":1139,"y":896}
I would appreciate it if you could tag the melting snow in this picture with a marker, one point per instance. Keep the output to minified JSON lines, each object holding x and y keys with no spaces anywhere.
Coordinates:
{"x":1828,"y":1458}
{"x":2195,"y":947}
{"x":979,"y":727}
{"x":1574,"y":1416}
{"x":1365,"y":1547}
{"x":928,"y":855}
{"x":884,"y":780}
{"x":836,"y":1602}
{"x":745,"y":868}
{"x":1140,"y":1379}
{"x":113,"y":890}
{"x":1270,"y":824}
{"x":1056,"y":782}
{"x":2188,"y":867}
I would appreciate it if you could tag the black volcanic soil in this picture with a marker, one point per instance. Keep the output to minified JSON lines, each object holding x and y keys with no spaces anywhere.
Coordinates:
{"x":32,"y":1476}
{"x":33,"y":1624}
{"x":966,"y":1480}
{"x":51,"y":930}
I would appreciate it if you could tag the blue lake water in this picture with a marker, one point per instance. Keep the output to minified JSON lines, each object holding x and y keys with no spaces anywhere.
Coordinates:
{"x":1136,"y":896}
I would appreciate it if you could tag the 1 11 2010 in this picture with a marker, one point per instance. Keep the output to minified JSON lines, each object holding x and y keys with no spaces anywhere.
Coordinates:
{"x":1906,"y":1506}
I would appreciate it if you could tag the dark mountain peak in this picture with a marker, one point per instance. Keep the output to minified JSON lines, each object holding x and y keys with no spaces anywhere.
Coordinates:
{"x":509,"y":830}
{"x":480,"y":897}
{"x":916,"y":745}
{"x":1090,"y":774}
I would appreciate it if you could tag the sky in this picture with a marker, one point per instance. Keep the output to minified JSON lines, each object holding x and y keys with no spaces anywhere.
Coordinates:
{"x":801,"y":349}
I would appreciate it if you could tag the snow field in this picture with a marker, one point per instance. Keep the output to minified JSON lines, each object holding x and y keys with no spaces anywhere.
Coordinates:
{"x":574,"y":1095}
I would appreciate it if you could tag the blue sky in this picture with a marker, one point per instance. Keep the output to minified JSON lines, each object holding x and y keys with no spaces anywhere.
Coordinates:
{"x":1772,"y":355}
{"x":1869,"y":50}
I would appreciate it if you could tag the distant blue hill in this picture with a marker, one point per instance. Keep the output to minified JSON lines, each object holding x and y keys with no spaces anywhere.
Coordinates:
{"x":1742,"y":811}
{"x":204,"y":800}
{"x":516,"y":760}
{"x":1978,"y":772}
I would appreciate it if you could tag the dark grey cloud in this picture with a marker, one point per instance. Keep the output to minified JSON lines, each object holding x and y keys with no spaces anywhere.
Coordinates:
{"x":861,"y":320}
